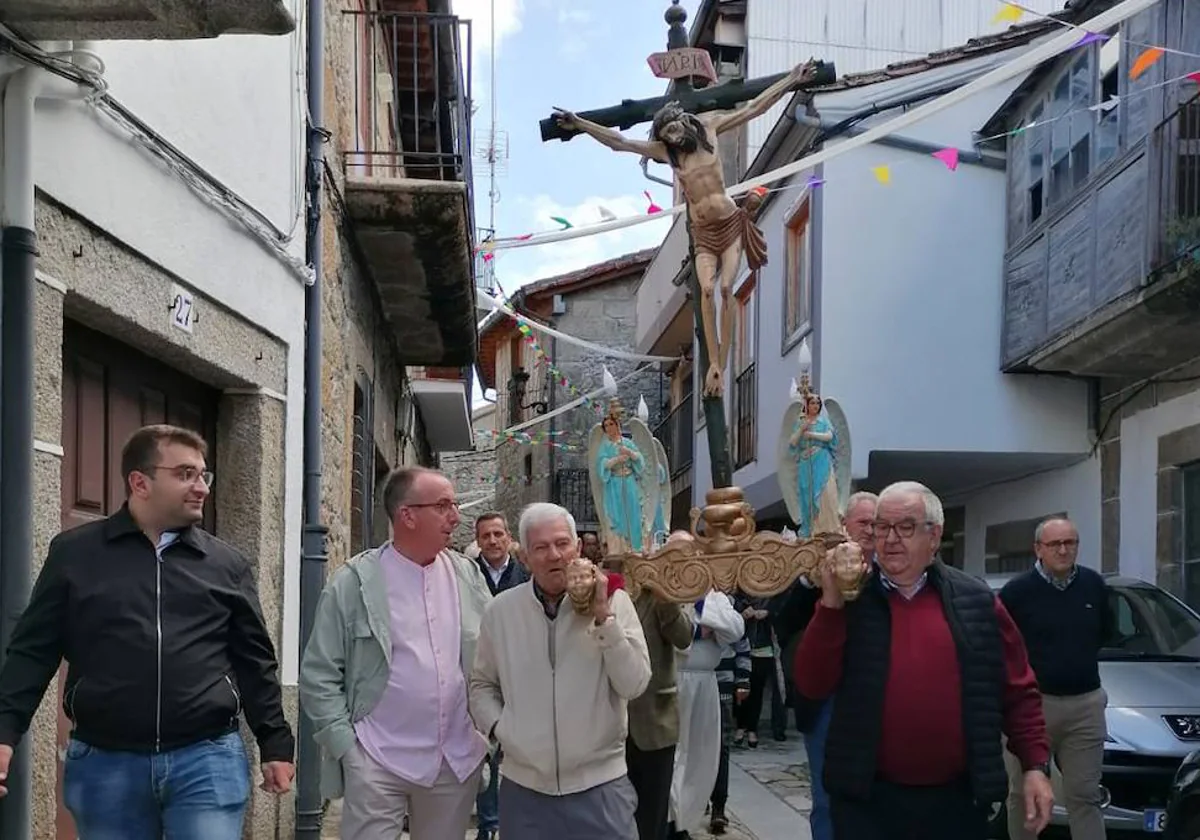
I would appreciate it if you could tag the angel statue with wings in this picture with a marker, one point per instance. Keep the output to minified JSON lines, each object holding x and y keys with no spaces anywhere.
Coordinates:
{"x":814,"y":463}
{"x":624,"y":478}
{"x":662,"y":512}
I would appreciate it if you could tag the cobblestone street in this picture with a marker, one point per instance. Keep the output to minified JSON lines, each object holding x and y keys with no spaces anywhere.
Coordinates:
{"x":768,"y":795}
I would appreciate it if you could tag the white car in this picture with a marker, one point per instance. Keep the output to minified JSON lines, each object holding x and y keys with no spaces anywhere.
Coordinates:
{"x":1150,"y":670}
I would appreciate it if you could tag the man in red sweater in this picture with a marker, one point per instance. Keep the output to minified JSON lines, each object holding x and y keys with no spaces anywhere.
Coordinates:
{"x":929,"y":671}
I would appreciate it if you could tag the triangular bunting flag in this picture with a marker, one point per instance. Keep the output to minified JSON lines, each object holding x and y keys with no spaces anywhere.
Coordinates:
{"x":948,"y":157}
{"x":653,"y":208}
{"x":1195,"y":77}
{"x":1091,"y":38}
{"x":814,"y":182}
{"x":565,"y":224}
{"x":1008,"y":13}
{"x":607,"y":215}
{"x":883,"y":174}
{"x":1145,"y":61}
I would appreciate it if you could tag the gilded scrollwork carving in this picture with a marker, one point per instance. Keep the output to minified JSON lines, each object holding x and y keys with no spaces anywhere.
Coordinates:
{"x":729,"y":553}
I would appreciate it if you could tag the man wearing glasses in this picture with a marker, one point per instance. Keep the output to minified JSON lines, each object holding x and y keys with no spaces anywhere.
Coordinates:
{"x":382,"y":677}
{"x":929,"y":672}
{"x":1062,"y":611}
{"x":163,"y":634}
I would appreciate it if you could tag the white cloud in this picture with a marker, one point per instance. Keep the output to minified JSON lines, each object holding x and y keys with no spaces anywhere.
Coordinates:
{"x":521,"y":266}
{"x":479,"y":12}
{"x":574,"y":17}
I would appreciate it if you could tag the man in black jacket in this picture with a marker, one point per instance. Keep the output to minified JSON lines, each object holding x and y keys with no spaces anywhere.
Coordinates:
{"x":163,"y":634}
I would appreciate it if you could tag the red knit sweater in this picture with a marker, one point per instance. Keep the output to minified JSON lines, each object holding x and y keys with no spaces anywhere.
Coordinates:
{"x":922,"y":741}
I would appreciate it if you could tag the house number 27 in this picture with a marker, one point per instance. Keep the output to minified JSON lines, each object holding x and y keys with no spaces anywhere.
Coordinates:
{"x":183,"y":312}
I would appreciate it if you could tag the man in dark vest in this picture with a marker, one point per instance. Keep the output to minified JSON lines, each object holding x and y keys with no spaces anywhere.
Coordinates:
{"x":930,"y":671}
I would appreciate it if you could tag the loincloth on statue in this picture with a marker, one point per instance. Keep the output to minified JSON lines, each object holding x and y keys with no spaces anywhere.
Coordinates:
{"x":714,"y":237}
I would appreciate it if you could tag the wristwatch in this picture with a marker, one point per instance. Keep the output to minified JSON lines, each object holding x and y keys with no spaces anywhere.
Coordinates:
{"x":1044,"y":767}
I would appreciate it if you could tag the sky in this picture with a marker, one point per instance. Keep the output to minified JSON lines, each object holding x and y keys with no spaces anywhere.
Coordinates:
{"x":578,"y":55}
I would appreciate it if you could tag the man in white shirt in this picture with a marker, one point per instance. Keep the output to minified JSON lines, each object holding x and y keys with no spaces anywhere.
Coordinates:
{"x":550,"y":685}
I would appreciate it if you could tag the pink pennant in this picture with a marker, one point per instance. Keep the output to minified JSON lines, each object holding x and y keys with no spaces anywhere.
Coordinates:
{"x":524,"y":237}
{"x":489,"y":256}
{"x":948,"y":157}
{"x":653,"y":208}
{"x":1195,"y":77}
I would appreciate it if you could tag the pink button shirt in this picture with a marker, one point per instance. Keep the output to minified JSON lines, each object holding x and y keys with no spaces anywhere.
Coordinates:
{"x":422,"y":718}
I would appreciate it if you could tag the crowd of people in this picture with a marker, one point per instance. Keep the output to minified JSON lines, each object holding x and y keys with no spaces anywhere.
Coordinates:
{"x":440,"y":684}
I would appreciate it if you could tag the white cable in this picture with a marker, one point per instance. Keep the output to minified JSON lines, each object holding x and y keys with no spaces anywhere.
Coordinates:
{"x":580,"y":342}
{"x":599,"y":392}
{"x":1022,"y":64}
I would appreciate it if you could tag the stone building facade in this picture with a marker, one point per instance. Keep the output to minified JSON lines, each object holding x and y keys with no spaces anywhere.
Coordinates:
{"x":596,"y":304}
{"x":474,"y":475}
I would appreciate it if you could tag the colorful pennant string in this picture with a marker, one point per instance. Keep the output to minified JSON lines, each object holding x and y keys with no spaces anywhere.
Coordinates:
{"x":1145,"y":61}
{"x":883,"y":174}
{"x":653,"y":208}
{"x":1009,"y":13}
{"x":565,"y":224}
{"x":948,"y":157}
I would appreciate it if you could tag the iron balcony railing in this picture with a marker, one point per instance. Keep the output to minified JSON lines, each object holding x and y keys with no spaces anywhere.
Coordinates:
{"x":745,"y":410}
{"x":573,"y":490}
{"x":412,"y":97}
{"x":1178,"y":140}
{"x":677,"y":432}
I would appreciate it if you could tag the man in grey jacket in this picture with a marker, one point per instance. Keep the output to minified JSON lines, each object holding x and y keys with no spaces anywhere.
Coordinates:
{"x":383,"y":677}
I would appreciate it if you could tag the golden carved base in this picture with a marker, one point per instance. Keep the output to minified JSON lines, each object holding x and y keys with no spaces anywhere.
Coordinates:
{"x":730,"y":554}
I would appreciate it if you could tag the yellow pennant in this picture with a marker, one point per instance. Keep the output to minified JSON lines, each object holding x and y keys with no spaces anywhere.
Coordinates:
{"x":1008,"y":13}
{"x":883,"y":174}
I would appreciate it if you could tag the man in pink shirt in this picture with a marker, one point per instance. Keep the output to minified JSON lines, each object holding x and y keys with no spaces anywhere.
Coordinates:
{"x":382,"y":677}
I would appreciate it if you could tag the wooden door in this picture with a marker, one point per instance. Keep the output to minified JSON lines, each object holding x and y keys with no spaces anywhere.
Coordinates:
{"x":109,"y":391}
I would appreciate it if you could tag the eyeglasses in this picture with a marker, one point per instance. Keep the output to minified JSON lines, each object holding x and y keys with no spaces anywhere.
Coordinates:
{"x":188,"y":474}
{"x":443,"y":507}
{"x":903,"y":529}
{"x":1061,"y":545}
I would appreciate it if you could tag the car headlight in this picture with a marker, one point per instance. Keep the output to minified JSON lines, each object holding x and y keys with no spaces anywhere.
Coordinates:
{"x":1185,"y":727}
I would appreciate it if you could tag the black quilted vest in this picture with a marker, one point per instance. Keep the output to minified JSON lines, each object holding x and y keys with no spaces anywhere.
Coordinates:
{"x":854,"y":732}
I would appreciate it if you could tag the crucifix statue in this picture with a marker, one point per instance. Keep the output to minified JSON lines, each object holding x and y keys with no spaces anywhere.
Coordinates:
{"x":722,"y":230}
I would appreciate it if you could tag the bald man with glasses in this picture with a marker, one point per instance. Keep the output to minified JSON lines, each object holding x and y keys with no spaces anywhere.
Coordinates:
{"x":1062,"y":611}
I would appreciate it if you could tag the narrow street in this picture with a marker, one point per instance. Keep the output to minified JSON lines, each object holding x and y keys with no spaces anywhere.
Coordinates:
{"x":768,"y":795}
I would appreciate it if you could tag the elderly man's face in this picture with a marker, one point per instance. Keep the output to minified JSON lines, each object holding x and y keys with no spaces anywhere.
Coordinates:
{"x":859,"y":522}
{"x":904,"y":541}
{"x":1058,"y":547}
{"x":548,"y":548}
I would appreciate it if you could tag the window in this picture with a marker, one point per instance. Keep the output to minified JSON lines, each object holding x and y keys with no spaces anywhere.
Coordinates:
{"x":362,"y":480}
{"x":745,"y":384}
{"x":1070,"y":132}
{"x":1191,"y":535}
{"x":797,"y":298}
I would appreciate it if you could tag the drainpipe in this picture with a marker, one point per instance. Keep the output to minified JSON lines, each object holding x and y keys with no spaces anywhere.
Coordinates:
{"x":18,"y":260}
{"x":309,"y":805}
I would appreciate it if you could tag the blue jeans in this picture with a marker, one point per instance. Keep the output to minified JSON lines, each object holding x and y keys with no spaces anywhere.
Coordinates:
{"x":819,"y":820}
{"x":487,"y":804}
{"x":198,"y":792}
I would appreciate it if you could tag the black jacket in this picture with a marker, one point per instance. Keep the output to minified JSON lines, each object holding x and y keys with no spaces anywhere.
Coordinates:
{"x":514,"y":574}
{"x":161,"y":653}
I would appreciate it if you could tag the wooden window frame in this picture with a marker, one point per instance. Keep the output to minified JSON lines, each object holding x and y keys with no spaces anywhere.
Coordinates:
{"x":798,"y":274}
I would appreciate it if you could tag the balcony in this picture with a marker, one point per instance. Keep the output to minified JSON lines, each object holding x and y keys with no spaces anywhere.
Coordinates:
{"x":745,"y":424}
{"x":573,"y":490}
{"x":408,"y":178}
{"x":1080,"y":299}
{"x":144,"y":20}
{"x":677,"y":432}
{"x":443,"y":396}
{"x":664,"y":320}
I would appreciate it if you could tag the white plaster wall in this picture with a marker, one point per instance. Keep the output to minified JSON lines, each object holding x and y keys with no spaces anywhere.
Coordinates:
{"x":859,"y":35}
{"x":1074,"y":489}
{"x":230,"y":104}
{"x":910,"y":307}
{"x":1139,"y":486}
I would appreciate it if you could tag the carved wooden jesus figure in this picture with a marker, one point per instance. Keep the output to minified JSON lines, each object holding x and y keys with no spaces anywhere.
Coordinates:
{"x":721,"y":229}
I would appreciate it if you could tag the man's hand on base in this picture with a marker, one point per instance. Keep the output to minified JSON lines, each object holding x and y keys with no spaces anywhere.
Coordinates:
{"x":277,"y":776}
{"x":1039,"y":800}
